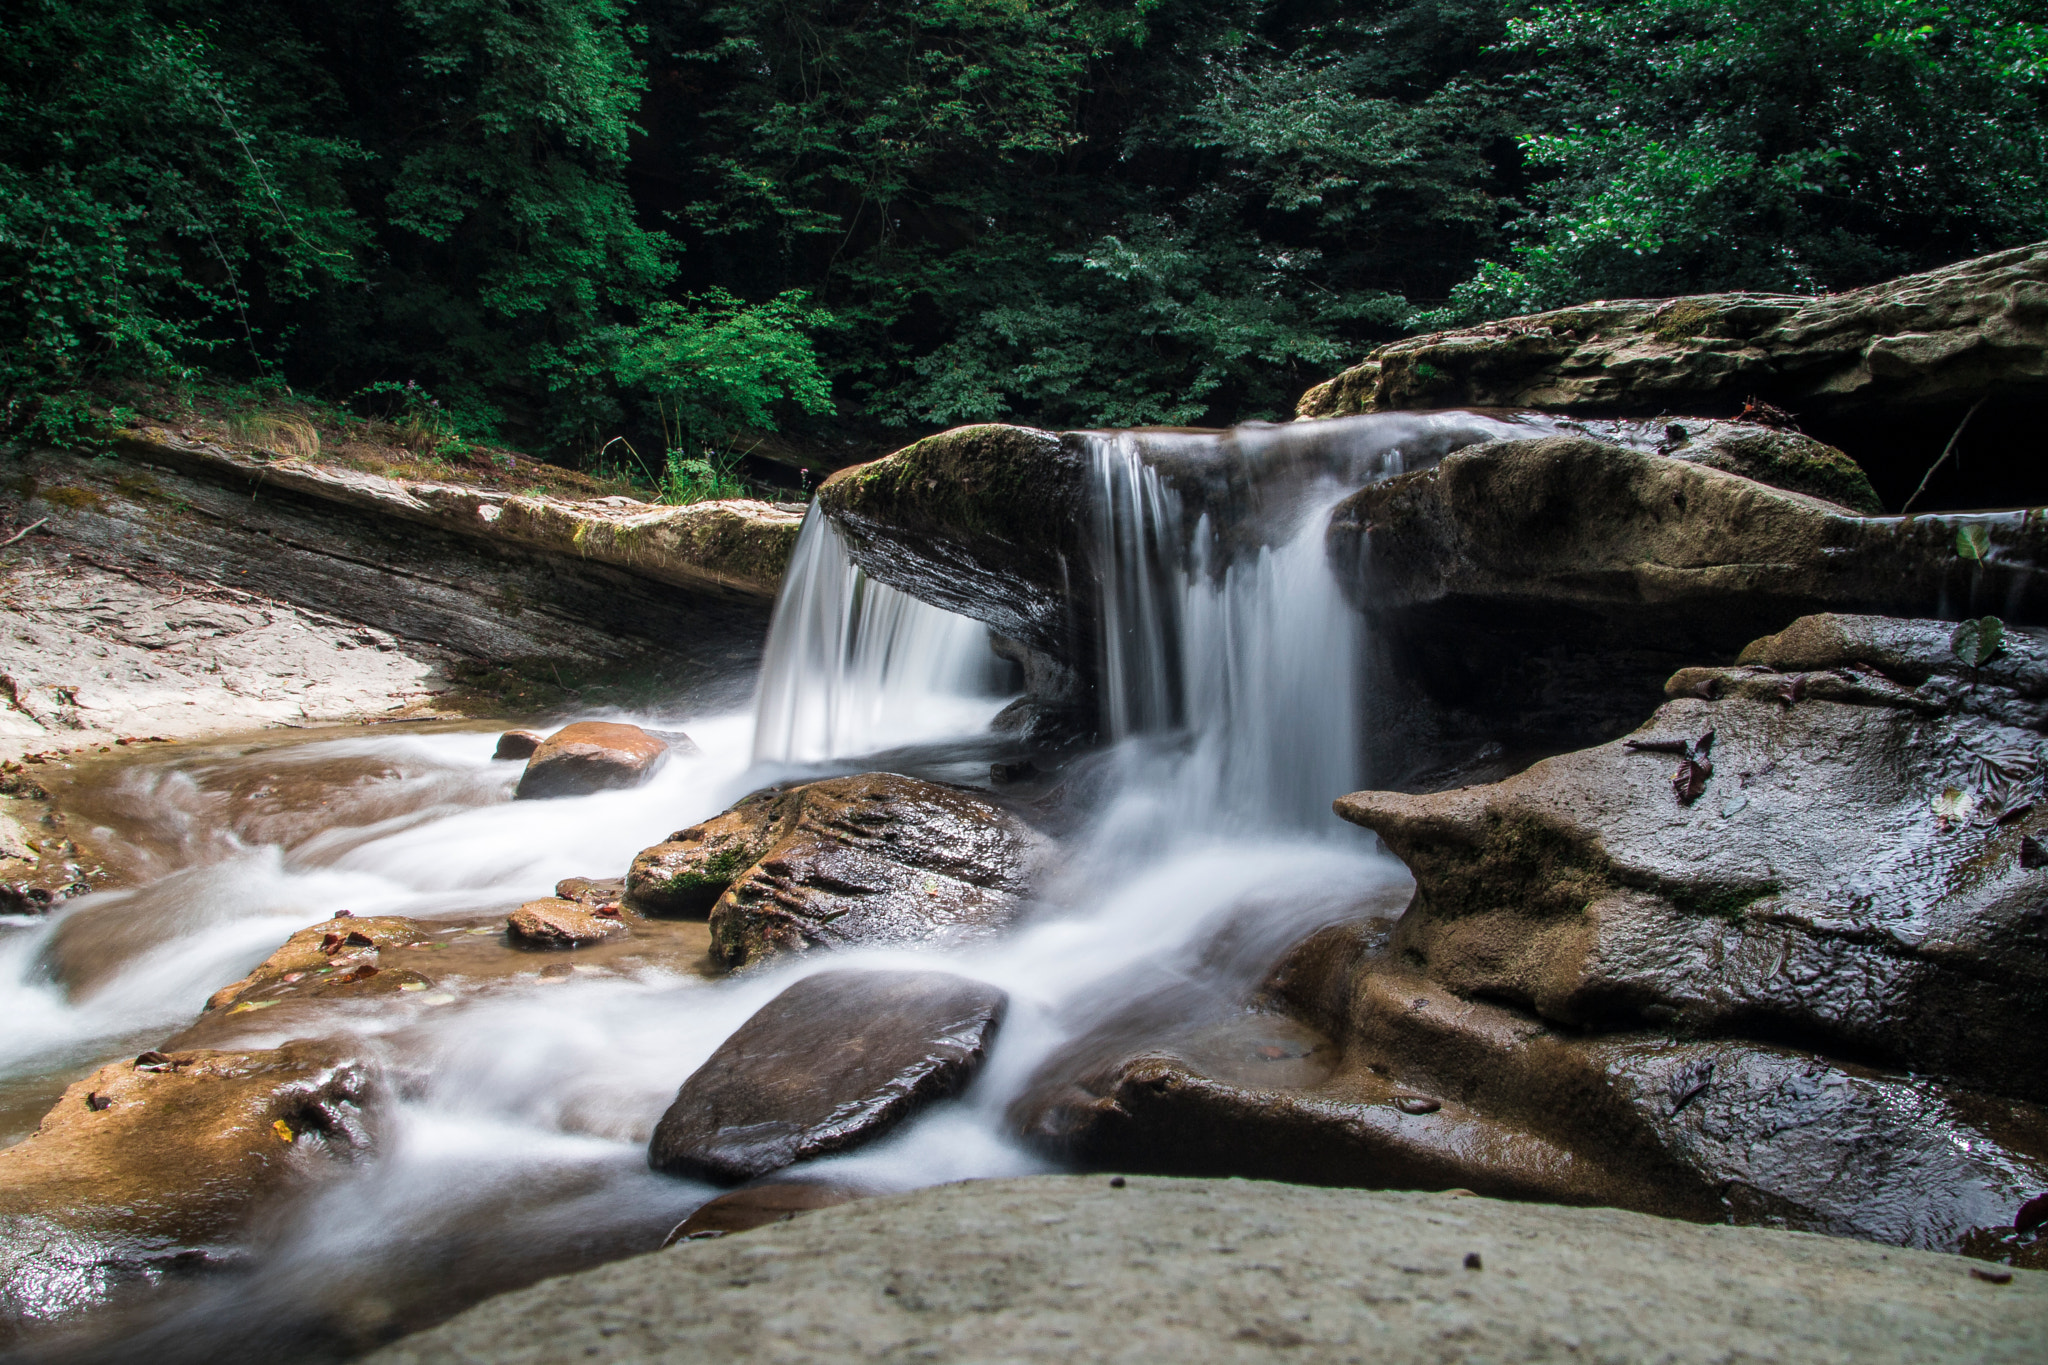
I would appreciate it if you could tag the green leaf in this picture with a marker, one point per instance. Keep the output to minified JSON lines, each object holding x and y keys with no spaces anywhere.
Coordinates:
{"x":1977,"y":643}
{"x":1973,"y":540}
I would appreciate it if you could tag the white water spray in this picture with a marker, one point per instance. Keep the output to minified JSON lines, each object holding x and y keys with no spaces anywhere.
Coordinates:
{"x":853,"y":666}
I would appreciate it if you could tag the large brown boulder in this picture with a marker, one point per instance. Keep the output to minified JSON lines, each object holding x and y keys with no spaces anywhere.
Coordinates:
{"x":145,"y":1164}
{"x":1955,"y":333}
{"x":876,"y":858}
{"x":835,"y":1061}
{"x":591,"y":756}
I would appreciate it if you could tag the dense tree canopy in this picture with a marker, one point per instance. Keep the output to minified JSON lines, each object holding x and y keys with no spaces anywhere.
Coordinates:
{"x":573,"y":219}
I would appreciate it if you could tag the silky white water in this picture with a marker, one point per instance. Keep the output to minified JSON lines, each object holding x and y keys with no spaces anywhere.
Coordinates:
{"x":1229,"y":691}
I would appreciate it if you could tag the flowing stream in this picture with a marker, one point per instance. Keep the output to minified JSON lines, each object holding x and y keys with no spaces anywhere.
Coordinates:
{"x":1230,"y":680}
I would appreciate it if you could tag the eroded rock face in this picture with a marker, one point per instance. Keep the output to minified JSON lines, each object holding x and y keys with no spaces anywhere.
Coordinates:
{"x":1961,"y":331}
{"x":877,"y":858}
{"x":1541,"y":591}
{"x":1842,"y":864}
{"x":591,"y":756}
{"x":145,"y":1164}
{"x":982,"y":520}
{"x":686,"y":873}
{"x":836,"y":1060}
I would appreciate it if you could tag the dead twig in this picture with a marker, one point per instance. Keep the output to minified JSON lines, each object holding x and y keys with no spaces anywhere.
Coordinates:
{"x":1946,"y":451}
{"x":22,"y":532}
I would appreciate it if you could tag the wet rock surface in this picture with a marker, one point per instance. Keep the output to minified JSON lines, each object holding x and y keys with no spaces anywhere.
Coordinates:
{"x":876,"y":858}
{"x":738,"y":546}
{"x":755,"y":1206}
{"x":837,"y":1060}
{"x":1961,"y":331}
{"x":1064,"y":1268}
{"x":518,"y":744}
{"x":591,"y":756}
{"x":146,"y":1167}
{"x":335,"y":951}
{"x":1537,"y":593}
{"x":1831,"y":858}
{"x":207,"y":599}
{"x":557,"y":923}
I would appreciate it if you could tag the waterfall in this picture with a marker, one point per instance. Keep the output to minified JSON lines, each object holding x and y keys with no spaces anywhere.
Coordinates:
{"x":853,"y":666}
{"x":1222,"y":623}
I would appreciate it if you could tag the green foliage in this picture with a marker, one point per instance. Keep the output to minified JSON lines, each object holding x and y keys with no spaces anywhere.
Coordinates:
{"x":1690,"y":145}
{"x":1973,"y":540}
{"x":703,"y":478}
{"x":714,"y":366}
{"x":1977,"y":643}
{"x":684,"y":221}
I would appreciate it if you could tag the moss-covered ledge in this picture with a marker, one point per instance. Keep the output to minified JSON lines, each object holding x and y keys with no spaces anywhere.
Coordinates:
{"x":983,"y":520}
{"x":735,"y":548}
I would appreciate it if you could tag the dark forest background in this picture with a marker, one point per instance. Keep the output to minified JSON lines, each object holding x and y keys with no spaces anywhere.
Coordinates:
{"x":855,"y":220}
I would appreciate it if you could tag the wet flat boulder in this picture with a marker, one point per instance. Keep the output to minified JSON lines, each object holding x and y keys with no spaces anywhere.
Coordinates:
{"x":333,"y":949}
{"x":875,"y":858}
{"x":837,"y":1060}
{"x":1419,"y":1087}
{"x":557,"y":923}
{"x":145,"y":1165}
{"x":591,"y":756}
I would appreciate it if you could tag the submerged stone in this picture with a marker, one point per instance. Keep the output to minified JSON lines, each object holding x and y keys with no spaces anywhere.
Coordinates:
{"x":556,"y":923}
{"x":518,"y":744}
{"x":837,"y":1060}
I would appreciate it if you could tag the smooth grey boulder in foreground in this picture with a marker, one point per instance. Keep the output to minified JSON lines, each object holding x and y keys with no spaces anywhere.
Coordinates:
{"x":1067,"y":1268}
{"x":836,"y":1060}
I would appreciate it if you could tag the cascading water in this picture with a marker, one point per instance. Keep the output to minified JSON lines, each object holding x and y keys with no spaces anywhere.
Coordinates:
{"x":1229,"y":676}
{"x":853,"y":666}
{"x":1230,"y":630}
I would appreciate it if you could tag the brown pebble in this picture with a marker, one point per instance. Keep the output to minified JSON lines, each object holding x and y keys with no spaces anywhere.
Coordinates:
{"x":1117,"y":1182}
{"x":555,"y":971}
{"x":1417,"y":1104}
{"x":1472,"y":1261}
{"x":1991,"y":1276}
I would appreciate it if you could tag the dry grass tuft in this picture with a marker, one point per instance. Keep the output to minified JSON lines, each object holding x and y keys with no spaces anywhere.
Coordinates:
{"x":279,"y":433}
